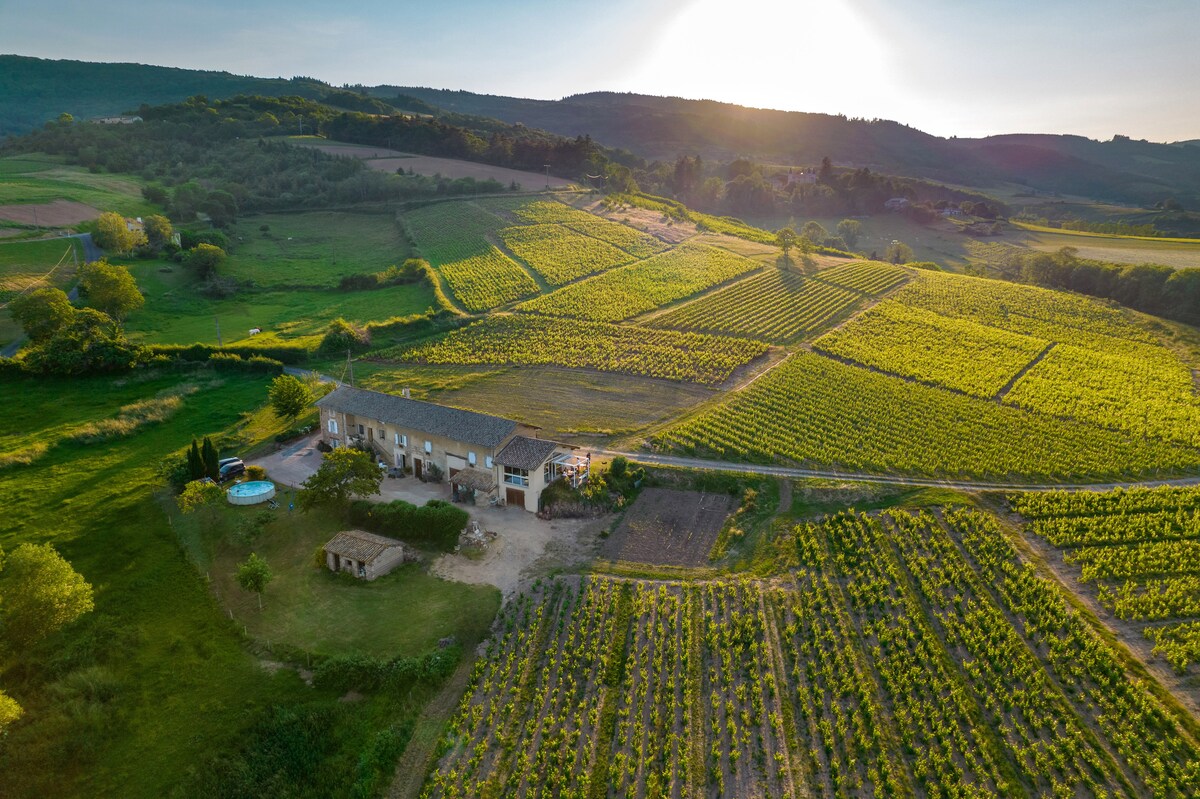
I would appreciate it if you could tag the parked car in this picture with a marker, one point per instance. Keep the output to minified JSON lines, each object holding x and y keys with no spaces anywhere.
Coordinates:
{"x":226,"y":461}
{"x":233,"y":468}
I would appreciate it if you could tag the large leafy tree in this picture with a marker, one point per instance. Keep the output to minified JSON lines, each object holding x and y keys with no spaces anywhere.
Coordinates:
{"x":114,"y":235}
{"x":204,"y":259}
{"x":344,"y":473}
{"x":199,"y":494}
{"x":42,"y":313}
{"x":289,"y":396}
{"x":111,"y":289}
{"x":785,"y":238}
{"x":41,"y":593}
{"x":850,"y":230}
{"x":158,"y":231}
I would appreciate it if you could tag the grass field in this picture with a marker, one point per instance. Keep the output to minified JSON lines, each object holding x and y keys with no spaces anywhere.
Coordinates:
{"x":176,"y":313}
{"x":37,"y":179}
{"x":29,"y":265}
{"x":312,"y":250}
{"x":156,"y":682}
{"x":1177,"y":253}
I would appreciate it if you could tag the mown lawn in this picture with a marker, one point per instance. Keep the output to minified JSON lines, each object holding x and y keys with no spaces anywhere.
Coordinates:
{"x":140,"y":695}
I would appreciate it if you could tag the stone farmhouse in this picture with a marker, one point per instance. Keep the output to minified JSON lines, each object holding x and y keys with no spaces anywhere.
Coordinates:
{"x":499,"y":460}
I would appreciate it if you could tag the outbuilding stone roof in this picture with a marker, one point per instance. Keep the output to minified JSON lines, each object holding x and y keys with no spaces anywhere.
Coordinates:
{"x":525,"y":453}
{"x":438,"y":420}
{"x":360,"y":545}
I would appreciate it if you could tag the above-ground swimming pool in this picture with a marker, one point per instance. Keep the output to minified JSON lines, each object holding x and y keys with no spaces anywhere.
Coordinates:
{"x":251,"y":493}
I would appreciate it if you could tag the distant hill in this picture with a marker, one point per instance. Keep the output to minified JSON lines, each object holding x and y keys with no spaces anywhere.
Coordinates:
{"x":36,"y":90}
{"x":1121,"y":170}
{"x":33,"y":91}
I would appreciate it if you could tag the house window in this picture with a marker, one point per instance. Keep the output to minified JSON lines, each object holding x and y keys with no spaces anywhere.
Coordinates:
{"x":382,"y":434}
{"x":333,"y":426}
{"x":396,"y":438}
{"x":403,"y":440}
{"x":428,"y":447}
{"x":516,"y":477}
{"x":488,"y":461}
{"x":360,"y":430}
{"x":471,"y":458}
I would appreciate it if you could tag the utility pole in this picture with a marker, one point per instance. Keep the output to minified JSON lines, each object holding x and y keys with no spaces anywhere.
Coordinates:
{"x":350,"y":367}
{"x":218,"y":321}
{"x":547,"y":175}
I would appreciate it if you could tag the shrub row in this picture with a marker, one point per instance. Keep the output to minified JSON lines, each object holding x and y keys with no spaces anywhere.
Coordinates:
{"x":438,"y":523}
{"x":284,"y":353}
{"x":228,"y":362}
{"x":348,"y":672}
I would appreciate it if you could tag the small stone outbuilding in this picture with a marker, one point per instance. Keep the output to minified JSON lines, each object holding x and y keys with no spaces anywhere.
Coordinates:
{"x":365,"y":555}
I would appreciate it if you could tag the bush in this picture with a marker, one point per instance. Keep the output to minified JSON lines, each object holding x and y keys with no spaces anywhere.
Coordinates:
{"x":228,"y":362}
{"x":350,"y":672}
{"x":295,"y":432}
{"x":438,"y":523}
{"x":256,"y":473}
{"x":342,"y":336}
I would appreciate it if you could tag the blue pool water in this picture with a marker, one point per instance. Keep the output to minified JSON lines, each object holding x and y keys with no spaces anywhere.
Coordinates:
{"x":252,"y":488}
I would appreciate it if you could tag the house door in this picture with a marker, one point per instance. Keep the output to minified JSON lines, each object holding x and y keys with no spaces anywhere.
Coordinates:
{"x":418,"y":467}
{"x":399,"y":458}
{"x":514,"y":496}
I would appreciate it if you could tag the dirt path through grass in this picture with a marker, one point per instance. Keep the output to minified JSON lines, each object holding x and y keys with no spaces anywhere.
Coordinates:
{"x":417,"y":757}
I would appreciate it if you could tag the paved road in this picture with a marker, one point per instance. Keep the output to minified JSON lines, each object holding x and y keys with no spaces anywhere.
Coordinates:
{"x":298,"y":372}
{"x":886,"y":479}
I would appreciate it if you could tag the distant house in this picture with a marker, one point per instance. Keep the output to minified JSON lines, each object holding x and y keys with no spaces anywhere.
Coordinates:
{"x":951,"y":211}
{"x":363,"y":554}
{"x":791,"y":178}
{"x":897,"y":204}
{"x":495,"y":458}
{"x":118,"y":120}
{"x":135,"y":225}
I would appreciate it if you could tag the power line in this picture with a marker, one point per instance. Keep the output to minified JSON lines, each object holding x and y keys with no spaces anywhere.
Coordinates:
{"x":70,"y":251}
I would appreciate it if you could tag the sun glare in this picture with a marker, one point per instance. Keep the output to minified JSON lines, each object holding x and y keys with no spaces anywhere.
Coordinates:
{"x":804,"y":56}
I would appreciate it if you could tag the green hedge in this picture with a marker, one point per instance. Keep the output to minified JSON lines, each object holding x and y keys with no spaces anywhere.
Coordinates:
{"x":284,"y":353}
{"x":438,"y":523}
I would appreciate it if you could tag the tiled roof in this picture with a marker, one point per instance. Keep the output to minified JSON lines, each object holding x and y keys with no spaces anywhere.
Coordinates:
{"x":458,"y":425}
{"x":360,"y":545}
{"x":525,"y":453}
{"x":475,"y":479}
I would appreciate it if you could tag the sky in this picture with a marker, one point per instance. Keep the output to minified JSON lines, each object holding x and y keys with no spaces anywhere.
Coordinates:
{"x":948,"y":67}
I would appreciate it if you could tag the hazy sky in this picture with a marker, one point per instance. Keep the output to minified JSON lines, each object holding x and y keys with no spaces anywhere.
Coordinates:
{"x":1092,"y":67}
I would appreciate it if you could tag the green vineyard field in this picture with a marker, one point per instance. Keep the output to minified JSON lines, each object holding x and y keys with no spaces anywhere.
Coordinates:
{"x":631,"y":290}
{"x":634,"y":242}
{"x":532,"y":340}
{"x":943,"y":351}
{"x":901,"y":656}
{"x":1142,"y":550}
{"x":818,"y":412}
{"x":560,"y":254}
{"x":777,"y":305}
{"x":869,"y":277}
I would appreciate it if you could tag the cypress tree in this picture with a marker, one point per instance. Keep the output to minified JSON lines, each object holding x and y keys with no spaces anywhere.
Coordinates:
{"x":195,"y":464}
{"x":208,"y":454}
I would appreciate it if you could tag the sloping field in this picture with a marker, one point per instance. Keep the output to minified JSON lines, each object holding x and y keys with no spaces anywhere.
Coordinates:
{"x":532,"y":340}
{"x":901,"y":655}
{"x":385,"y":160}
{"x":559,"y":254}
{"x":954,"y":353}
{"x":777,"y":305}
{"x":817,"y":412}
{"x":630,"y":290}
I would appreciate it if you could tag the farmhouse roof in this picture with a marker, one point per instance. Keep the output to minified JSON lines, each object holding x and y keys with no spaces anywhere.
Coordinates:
{"x":360,"y":545}
{"x":439,"y":420}
{"x":474,"y":479}
{"x":525,"y":453}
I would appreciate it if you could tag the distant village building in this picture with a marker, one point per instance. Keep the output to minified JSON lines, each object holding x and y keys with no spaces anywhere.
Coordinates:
{"x":951,"y":211}
{"x":365,"y":555}
{"x":498,"y":459}
{"x":118,"y":120}
{"x":135,"y":225}
{"x":806,"y":177}
{"x":897,"y":204}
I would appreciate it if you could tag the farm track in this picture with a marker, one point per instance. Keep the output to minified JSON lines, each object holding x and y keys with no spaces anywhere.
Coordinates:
{"x":885,"y":479}
{"x":1002,"y":393}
